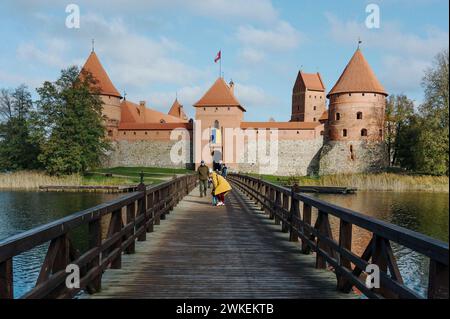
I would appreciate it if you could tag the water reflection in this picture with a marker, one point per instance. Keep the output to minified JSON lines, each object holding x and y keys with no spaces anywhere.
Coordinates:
{"x":427,"y":213}
{"x":21,"y":211}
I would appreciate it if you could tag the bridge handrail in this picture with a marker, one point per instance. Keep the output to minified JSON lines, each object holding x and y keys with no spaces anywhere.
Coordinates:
{"x":131,"y":217}
{"x":283,"y":205}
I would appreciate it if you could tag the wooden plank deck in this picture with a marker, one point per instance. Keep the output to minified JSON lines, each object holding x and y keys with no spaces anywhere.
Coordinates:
{"x":201,"y":251}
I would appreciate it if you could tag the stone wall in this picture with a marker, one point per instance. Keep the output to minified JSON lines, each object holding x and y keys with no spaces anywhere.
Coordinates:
{"x":295,"y":157}
{"x":149,"y":153}
{"x":339,"y":157}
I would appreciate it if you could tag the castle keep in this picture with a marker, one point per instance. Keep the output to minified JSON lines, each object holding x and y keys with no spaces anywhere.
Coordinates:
{"x":345,"y":138}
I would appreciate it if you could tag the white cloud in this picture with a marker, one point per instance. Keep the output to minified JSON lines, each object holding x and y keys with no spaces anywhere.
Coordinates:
{"x":279,"y":38}
{"x":251,"y":55}
{"x":50,"y":55}
{"x":254,"y":97}
{"x":405,"y":55}
{"x":187,"y":96}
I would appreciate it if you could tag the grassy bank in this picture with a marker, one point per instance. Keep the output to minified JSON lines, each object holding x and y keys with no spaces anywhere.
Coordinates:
{"x":30,"y":180}
{"x":374,"y":182}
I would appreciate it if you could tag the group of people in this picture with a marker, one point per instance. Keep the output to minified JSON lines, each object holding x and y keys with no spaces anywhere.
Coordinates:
{"x":217,"y":178}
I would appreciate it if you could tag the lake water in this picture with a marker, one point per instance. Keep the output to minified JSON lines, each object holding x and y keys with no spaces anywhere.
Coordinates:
{"x":21,"y":211}
{"x":427,"y":213}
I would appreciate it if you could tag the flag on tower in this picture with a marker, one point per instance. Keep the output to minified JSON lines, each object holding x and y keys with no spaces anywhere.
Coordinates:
{"x":218,"y":56}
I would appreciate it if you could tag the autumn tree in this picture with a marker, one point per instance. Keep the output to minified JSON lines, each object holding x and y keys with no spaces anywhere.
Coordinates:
{"x":19,"y":148}
{"x":71,"y":113}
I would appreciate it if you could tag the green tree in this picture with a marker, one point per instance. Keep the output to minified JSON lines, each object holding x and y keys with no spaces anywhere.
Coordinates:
{"x":19,"y":148}
{"x":70,"y":110}
{"x":433,"y":142}
{"x":399,"y":117}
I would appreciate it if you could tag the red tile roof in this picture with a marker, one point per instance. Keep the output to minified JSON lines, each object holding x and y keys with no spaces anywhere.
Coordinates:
{"x":324,"y":116}
{"x":357,"y":77}
{"x":177,"y":110}
{"x":219,"y":94}
{"x":131,"y":113}
{"x":312,"y":81}
{"x":94,"y":66}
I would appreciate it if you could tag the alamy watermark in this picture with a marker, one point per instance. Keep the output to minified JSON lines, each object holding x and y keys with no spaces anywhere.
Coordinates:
{"x":73,"y":17}
{"x":373,"y":19}
{"x":373,"y":276}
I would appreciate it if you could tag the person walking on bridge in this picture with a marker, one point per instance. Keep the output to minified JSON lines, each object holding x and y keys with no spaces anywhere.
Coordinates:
{"x":203,"y":175}
{"x":221,"y":188}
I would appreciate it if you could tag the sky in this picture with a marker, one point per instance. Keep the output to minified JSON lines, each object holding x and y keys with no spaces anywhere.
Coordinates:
{"x":155,"y":50}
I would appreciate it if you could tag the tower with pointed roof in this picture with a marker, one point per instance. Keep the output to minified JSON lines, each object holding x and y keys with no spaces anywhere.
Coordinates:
{"x":354,"y":129}
{"x":217,"y":109}
{"x":109,"y":95}
{"x":177,"y":110}
{"x":357,"y":103}
{"x":308,"y":98}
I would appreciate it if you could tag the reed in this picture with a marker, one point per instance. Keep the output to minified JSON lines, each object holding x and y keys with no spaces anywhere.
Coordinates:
{"x":29,"y":180}
{"x":380,"y":182}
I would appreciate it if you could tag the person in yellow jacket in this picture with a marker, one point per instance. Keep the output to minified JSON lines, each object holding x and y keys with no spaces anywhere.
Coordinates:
{"x":221,"y":188}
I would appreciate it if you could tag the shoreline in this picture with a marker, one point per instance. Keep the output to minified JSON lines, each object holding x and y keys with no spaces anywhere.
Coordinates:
{"x":380,"y":182}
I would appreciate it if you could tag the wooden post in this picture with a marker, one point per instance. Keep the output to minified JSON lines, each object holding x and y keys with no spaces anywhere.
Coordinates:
{"x":6,"y":279}
{"x":141,"y":211}
{"x":115,"y":227}
{"x":271,"y":203}
{"x":276,"y":207}
{"x":307,"y":209}
{"x":438,"y":280}
{"x":150,"y":212}
{"x":157,"y":206}
{"x":323,"y":226}
{"x":95,"y":241}
{"x":285,"y":225}
{"x":131,"y":213}
{"x":345,"y":241}
{"x":163,"y":198}
{"x":294,"y":214}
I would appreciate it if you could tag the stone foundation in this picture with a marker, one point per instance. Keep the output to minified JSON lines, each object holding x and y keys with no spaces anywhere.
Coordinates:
{"x":147,"y":153}
{"x":338,"y":157}
{"x":294,"y":158}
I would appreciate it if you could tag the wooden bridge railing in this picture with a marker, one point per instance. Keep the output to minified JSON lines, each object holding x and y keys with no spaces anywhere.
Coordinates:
{"x":127,"y":218}
{"x":294,"y":212}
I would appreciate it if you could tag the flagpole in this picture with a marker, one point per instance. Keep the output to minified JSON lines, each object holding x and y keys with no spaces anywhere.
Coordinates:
{"x":220,"y":64}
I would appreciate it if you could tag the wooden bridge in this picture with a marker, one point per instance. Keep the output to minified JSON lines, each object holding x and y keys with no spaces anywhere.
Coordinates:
{"x":267,"y":242}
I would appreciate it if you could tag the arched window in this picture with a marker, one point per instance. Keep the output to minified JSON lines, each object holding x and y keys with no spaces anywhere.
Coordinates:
{"x":344,"y":132}
{"x":381,"y":132}
{"x":110,"y":133}
{"x":363,"y":132}
{"x":216,"y":124}
{"x":162,"y":121}
{"x":314,"y":108}
{"x":314,"y":119}
{"x":359,"y":116}
{"x":352,"y":155}
{"x":338,"y":116}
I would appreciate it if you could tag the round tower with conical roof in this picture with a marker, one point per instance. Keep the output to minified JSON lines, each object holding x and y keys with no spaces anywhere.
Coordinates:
{"x":357,"y":104}
{"x":109,"y":95}
{"x":354,"y":131}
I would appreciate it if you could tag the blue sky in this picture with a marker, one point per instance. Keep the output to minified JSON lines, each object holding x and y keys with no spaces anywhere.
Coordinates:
{"x":154,"y":49}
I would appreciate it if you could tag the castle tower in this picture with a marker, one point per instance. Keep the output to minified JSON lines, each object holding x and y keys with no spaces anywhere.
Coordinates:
{"x":308,"y":98}
{"x":177,"y":110}
{"x":108,"y":93}
{"x":354,"y":130}
{"x":216,"y":110}
{"x":357,"y":104}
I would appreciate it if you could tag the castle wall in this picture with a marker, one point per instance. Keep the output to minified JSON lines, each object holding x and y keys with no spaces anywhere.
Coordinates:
{"x":342,"y":157}
{"x":294,"y":157}
{"x":156,"y":149}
